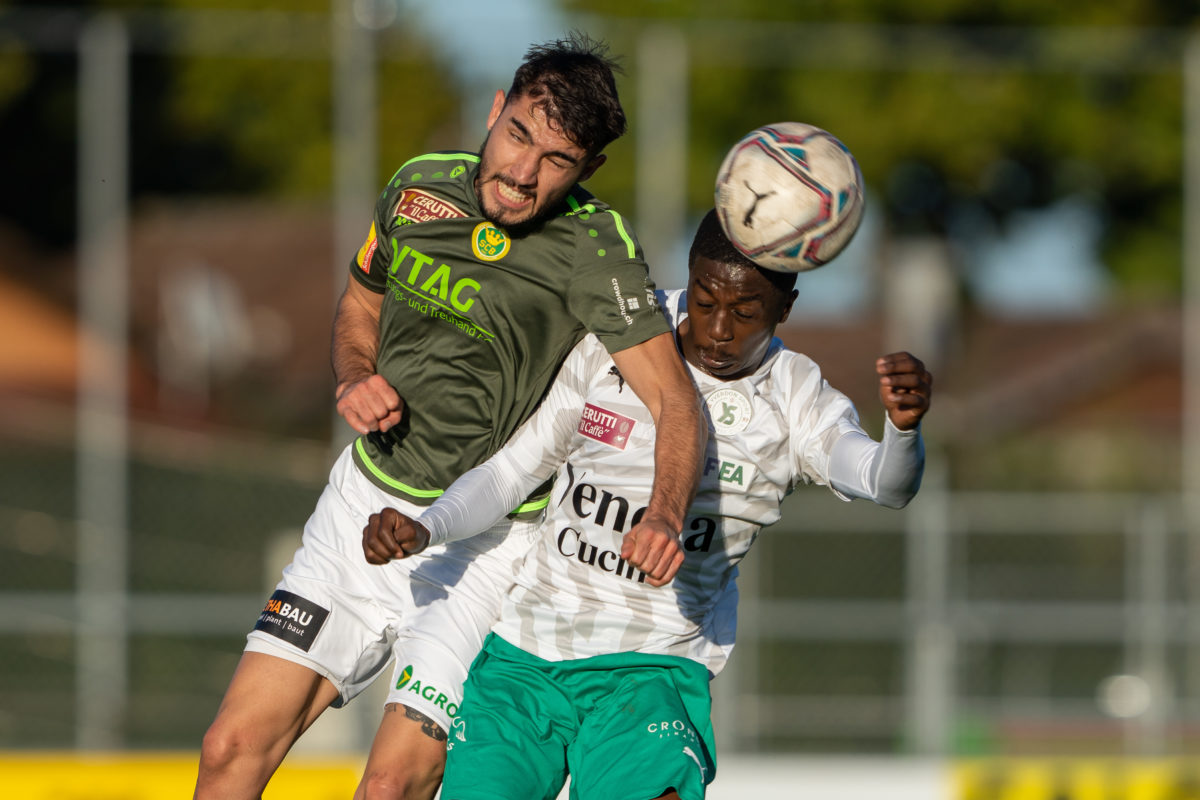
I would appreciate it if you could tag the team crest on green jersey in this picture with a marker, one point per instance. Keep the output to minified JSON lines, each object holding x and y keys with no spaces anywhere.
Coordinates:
{"x":489,"y":243}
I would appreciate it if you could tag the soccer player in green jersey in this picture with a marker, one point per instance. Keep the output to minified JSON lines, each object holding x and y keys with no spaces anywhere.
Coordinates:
{"x":479,"y":274}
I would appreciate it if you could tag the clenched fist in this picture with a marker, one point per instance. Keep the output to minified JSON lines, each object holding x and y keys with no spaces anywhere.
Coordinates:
{"x":390,"y":534}
{"x":905,"y":388}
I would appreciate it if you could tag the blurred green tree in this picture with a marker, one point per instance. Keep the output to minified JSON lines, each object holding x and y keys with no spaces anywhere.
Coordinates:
{"x":205,"y":117}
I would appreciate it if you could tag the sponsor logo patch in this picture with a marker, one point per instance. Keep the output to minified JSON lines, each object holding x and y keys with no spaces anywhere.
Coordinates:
{"x":416,"y":205}
{"x":624,"y":305}
{"x":292,"y":618}
{"x":605,"y":426}
{"x":489,"y":243}
{"x":734,"y":475}
{"x":458,"y":732}
{"x":427,"y":691}
{"x":367,"y":250}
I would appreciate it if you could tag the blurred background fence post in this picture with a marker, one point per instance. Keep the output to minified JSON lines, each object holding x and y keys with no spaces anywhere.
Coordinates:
{"x":102,"y":428}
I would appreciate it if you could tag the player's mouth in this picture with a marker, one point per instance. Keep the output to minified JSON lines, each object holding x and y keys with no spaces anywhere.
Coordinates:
{"x":511,"y":196}
{"x":715,"y":362}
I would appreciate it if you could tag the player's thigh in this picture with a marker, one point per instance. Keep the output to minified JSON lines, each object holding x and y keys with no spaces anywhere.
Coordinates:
{"x":271,"y":700}
{"x":649,"y":737}
{"x":509,"y":739}
{"x":331,"y":611}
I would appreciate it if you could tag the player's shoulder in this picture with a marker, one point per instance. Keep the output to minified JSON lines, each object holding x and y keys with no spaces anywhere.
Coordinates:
{"x":673,"y":302}
{"x":786,"y":373}
{"x":598,"y":224}
{"x":432,"y":186}
{"x":440,"y":167}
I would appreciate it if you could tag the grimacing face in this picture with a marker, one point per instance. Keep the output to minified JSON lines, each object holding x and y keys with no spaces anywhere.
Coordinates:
{"x":732,"y":315}
{"x":526,"y":166}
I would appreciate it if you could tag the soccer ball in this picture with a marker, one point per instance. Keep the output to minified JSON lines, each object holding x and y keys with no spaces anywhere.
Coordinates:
{"x":789,"y":196}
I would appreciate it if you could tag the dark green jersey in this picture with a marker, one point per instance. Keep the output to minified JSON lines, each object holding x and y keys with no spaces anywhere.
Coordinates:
{"x":475,"y":322}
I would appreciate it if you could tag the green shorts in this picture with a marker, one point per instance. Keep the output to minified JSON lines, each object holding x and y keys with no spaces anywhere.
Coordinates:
{"x":627,"y":726}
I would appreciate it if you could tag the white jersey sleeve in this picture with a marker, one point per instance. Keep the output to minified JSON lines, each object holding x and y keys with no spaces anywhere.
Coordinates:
{"x":888,"y":472}
{"x":483,"y":496}
{"x":818,"y":416}
{"x":830,"y":447}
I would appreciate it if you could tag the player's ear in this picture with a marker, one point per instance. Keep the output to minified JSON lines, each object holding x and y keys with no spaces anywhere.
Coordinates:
{"x":592,"y":166}
{"x":787,"y":305}
{"x":497,"y":107}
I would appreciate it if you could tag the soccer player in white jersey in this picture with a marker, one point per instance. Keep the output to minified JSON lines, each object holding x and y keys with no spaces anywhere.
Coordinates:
{"x":591,"y":669}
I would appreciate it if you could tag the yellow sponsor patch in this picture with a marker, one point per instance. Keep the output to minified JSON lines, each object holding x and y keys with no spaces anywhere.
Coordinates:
{"x":367,"y":250}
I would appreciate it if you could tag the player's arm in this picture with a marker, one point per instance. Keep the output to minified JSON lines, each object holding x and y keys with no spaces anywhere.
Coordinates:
{"x":888,"y":472}
{"x":656,"y":373}
{"x":364,"y":399}
{"x":476,"y":501}
{"x":480,"y":498}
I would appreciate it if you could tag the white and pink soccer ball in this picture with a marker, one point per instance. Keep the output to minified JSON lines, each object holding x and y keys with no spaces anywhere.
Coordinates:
{"x":789,"y":196}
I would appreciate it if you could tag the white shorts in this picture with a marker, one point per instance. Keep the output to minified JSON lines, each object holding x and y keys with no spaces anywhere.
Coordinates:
{"x":345,"y":619}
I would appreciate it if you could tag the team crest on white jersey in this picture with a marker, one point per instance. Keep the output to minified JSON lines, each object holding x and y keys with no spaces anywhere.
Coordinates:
{"x":730,"y":410}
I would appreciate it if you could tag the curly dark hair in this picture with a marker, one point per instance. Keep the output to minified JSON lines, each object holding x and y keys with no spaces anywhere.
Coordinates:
{"x":572,"y":81}
{"x":712,"y":243}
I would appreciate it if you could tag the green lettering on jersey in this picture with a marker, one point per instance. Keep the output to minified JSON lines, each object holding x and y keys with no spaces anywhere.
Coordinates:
{"x":731,"y":473}
{"x":419,"y":260}
{"x":397,"y":257}
{"x":438,"y":283}
{"x":456,"y":298}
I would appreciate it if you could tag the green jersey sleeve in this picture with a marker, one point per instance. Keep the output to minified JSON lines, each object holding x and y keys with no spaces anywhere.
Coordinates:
{"x":611,"y":291}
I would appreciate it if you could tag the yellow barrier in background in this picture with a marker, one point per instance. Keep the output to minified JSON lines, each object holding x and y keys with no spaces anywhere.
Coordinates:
{"x":171,"y":776}
{"x":1077,"y":779}
{"x":122,"y":776}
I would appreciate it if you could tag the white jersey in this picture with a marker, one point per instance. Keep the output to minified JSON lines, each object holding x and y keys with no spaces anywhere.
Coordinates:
{"x":575,"y":597}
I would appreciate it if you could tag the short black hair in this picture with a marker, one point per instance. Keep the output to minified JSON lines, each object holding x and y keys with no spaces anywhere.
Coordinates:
{"x":711,"y":242}
{"x":573,"y":81}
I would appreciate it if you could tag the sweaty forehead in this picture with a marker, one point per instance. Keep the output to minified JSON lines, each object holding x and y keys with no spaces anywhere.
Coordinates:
{"x":731,"y":280}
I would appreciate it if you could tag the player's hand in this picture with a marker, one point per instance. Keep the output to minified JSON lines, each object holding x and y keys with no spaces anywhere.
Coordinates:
{"x":370,"y":404}
{"x":905,"y":388}
{"x":654,"y":548}
{"x":390,"y":534}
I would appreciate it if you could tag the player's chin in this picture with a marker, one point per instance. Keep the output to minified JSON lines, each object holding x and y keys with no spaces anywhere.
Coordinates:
{"x":506,"y":216}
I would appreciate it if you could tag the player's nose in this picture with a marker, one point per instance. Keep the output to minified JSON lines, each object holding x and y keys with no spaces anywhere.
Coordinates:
{"x":524,"y":169}
{"x":720,"y":328}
